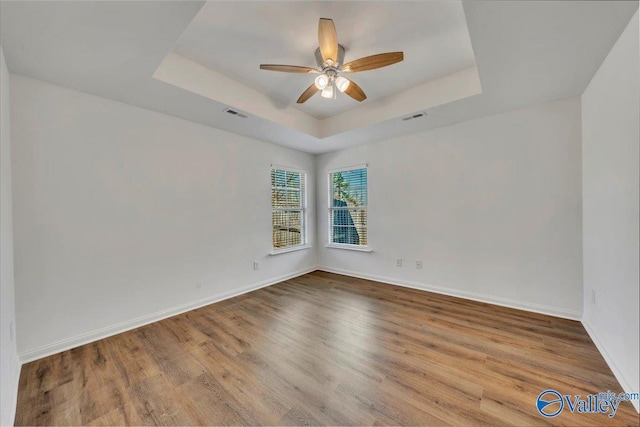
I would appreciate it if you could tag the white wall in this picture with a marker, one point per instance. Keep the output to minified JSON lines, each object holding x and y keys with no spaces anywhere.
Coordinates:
{"x":610,"y":123}
{"x":9,"y":361}
{"x":122,"y":215}
{"x":491,"y":207}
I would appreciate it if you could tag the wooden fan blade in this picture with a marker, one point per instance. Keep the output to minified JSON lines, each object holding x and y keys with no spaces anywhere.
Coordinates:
{"x":354,"y":91}
{"x":311,"y":90}
{"x":288,"y":68}
{"x":372,"y":62}
{"x":328,"y":40}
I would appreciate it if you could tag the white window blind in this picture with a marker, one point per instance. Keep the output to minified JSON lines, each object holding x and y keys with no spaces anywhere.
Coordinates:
{"x":288,"y":208}
{"x":348,"y":207}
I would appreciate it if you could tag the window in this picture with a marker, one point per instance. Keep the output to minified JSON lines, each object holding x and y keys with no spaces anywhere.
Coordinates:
{"x":288,"y":208}
{"x":348,"y":207}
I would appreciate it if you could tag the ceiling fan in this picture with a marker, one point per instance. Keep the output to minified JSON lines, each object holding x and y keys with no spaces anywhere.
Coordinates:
{"x":331,"y":66}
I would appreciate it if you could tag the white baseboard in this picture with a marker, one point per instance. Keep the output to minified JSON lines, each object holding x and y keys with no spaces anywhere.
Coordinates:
{"x":69,"y":343}
{"x":10,"y":402}
{"x":505,"y":302}
{"x":624,"y":383}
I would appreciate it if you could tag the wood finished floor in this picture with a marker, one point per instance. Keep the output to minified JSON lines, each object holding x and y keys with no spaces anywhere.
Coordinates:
{"x":324,"y":349}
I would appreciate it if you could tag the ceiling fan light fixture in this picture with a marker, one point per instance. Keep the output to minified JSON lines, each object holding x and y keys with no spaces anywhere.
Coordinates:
{"x":330,"y":64}
{"x":321,"y":81}
{"x":327,"y":92}
{"x":342,"y":83}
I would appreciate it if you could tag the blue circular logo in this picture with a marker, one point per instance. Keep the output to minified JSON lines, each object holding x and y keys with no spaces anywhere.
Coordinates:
{"x":549,"y":403}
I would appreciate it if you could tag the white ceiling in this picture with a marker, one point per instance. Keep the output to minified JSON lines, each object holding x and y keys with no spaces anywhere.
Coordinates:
{"x":233,"y":38}
{"x":526,"y":52}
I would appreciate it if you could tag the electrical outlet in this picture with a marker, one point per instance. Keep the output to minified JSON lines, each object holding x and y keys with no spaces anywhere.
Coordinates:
{"x":419,"y":265}
{"x":256,"y":266}
{"x":11,"y":333}
{"x":399,"y":262}
{"x":593,"y":296}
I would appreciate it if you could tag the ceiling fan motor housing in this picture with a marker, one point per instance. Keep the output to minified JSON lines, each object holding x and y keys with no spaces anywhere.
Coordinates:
{"x":340,"y":59}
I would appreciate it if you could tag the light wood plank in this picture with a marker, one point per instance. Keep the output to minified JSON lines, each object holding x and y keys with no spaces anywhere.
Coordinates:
{"x":325,"y":349}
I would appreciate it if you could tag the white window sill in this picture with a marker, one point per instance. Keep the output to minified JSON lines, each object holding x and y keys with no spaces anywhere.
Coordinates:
{"x":289,"y":249}
{"x":349,"y":247}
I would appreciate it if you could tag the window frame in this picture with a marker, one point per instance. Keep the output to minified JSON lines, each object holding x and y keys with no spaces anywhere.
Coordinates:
{"x":331,"y":209}
{"x":304,"y":227}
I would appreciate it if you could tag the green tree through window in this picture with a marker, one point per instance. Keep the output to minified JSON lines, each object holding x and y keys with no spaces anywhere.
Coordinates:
{"x":348,"y":207}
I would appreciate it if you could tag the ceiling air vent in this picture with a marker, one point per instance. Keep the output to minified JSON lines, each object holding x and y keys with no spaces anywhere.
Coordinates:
{"x":414,"y":116}
{"x":235,"y":113}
